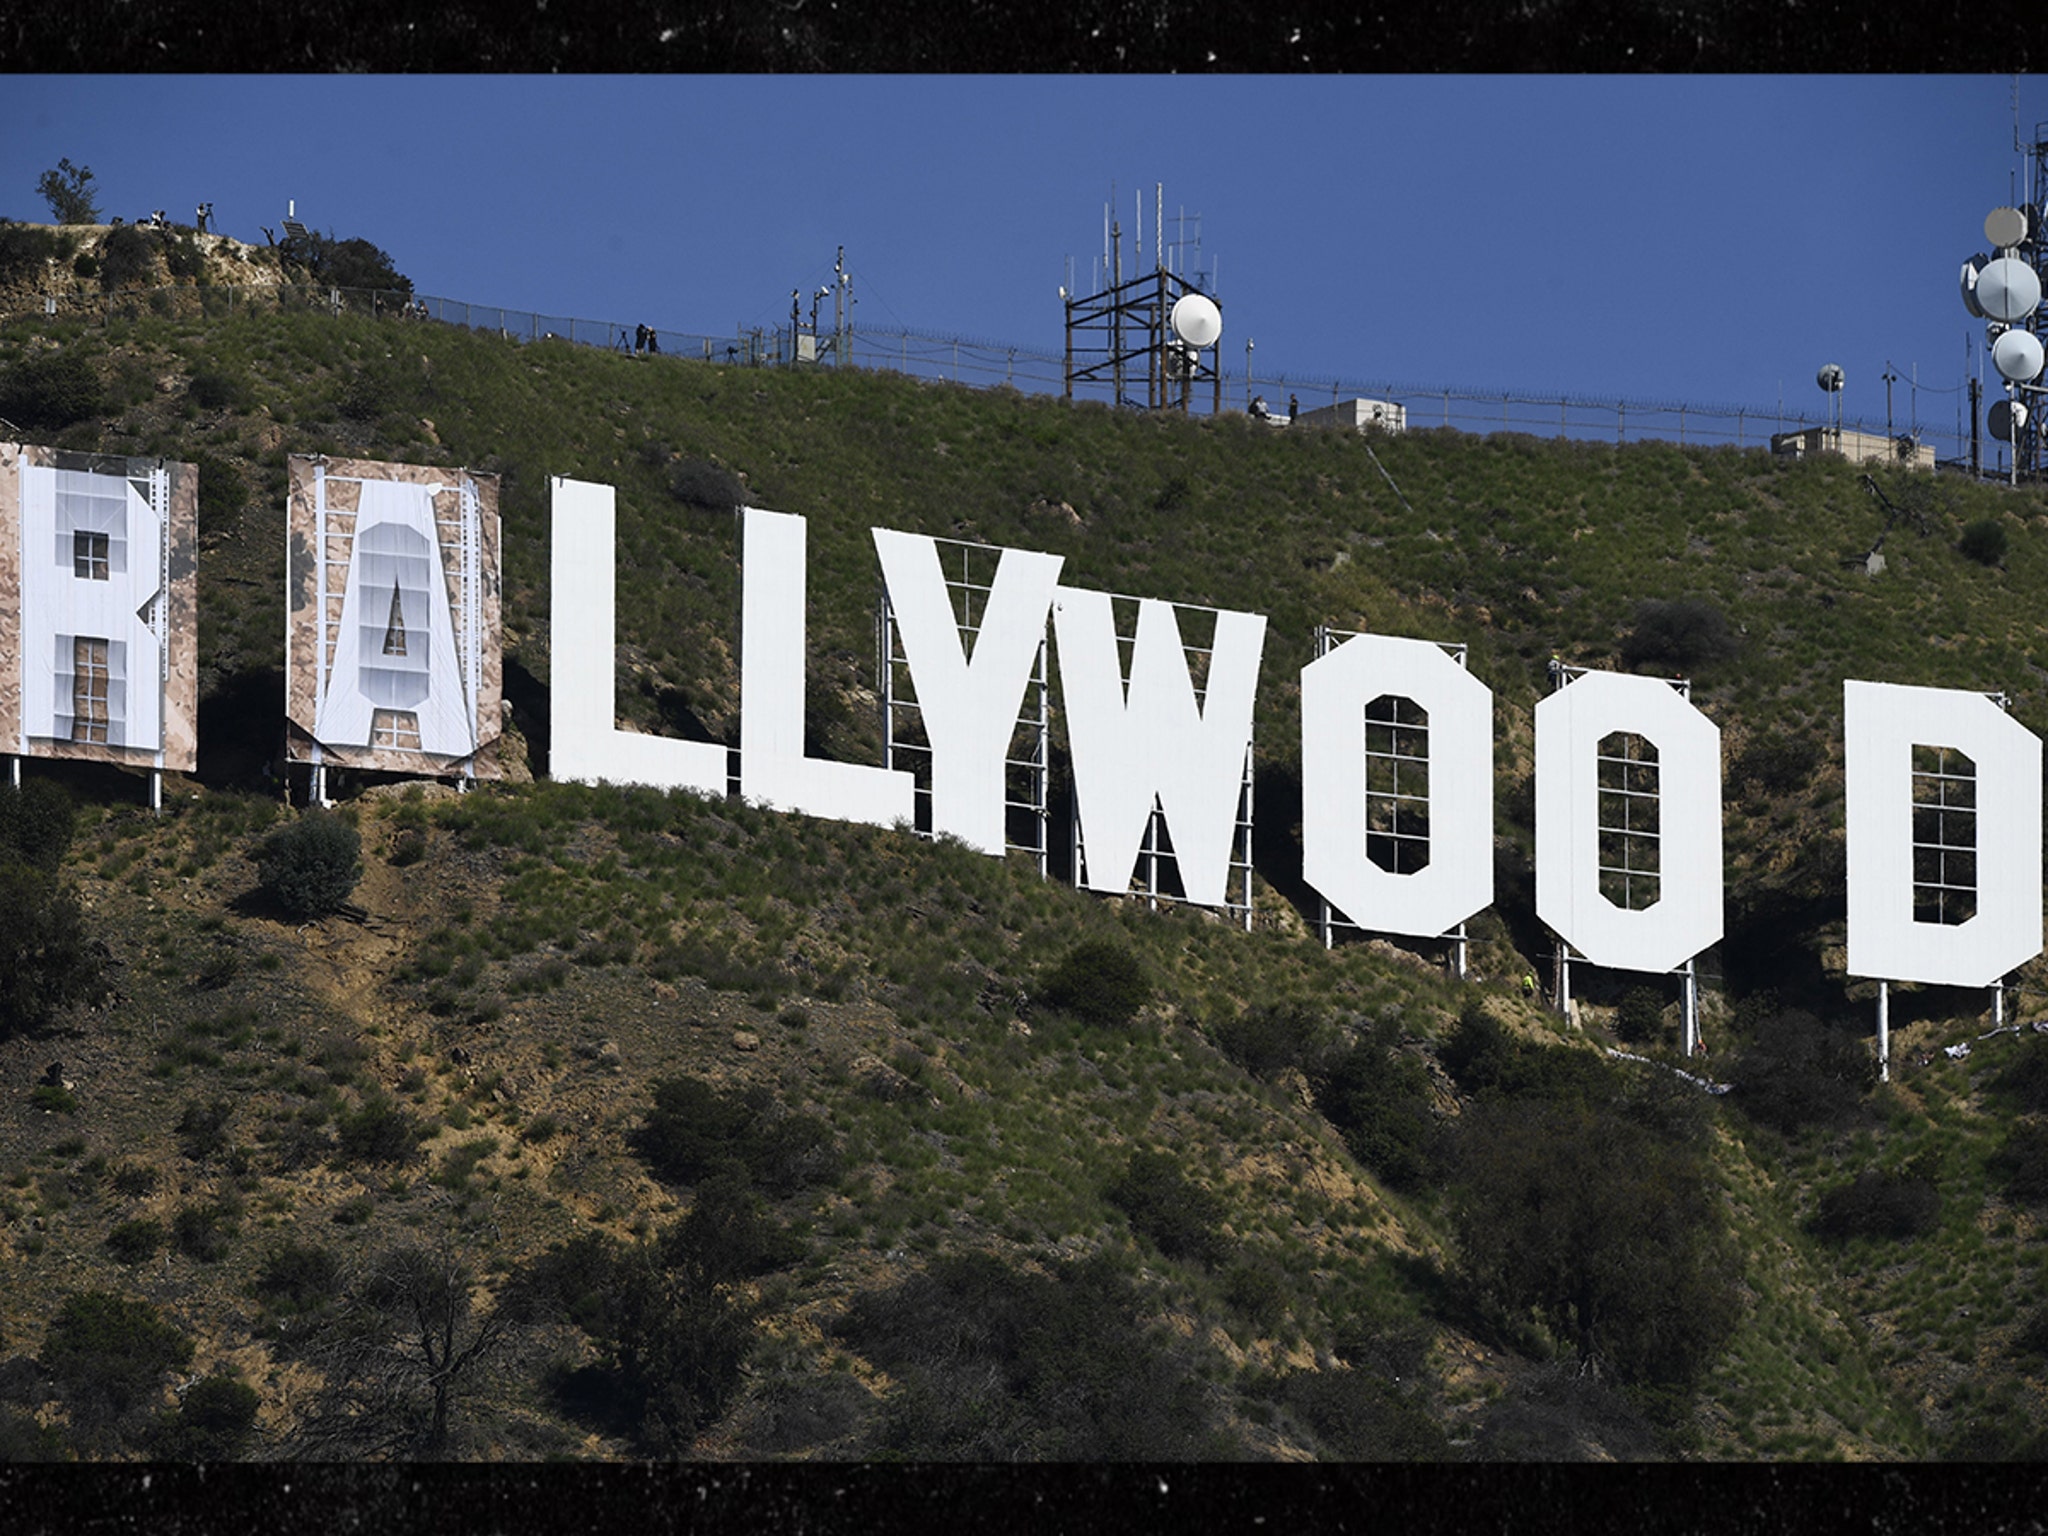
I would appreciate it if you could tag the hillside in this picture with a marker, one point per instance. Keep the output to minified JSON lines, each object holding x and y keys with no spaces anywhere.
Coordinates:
{"x":732,"y":1134}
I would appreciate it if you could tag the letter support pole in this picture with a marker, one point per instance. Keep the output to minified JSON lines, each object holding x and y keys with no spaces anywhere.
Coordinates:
{"x":1884,"y":1031}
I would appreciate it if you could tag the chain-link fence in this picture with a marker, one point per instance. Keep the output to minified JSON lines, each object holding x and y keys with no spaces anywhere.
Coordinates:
{"x":982,"y":363}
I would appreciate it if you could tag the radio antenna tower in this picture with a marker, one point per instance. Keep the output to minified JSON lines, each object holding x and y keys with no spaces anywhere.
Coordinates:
{"x":1157,"y":329}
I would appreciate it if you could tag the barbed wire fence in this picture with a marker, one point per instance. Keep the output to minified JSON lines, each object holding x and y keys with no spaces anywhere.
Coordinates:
{"x":983,"y":363}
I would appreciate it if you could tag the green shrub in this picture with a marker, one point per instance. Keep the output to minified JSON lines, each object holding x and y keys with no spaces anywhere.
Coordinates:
{"x":1984,"y":541}
{"x":2021,"y":1162}
{"x":130,"y":1242}
{"x":694,"y":1131}
{"x":1179,"y":1215}
{"x":379,"y":1130}
{"x":1614,"y":1232}
{"x":222,"y":494}
{"x":699,"y":483}
{"x":53,"y":1098}
{"x":215,"y":388}
{"x":1777,"y":764}
{"x":673,"y":1347}
{"x":1268,"y":1038}
{"x":203,"y":1128}
{"x":1477,"y":1051}
{"x":1800,"y":1071}
{"x":1098,"y":983}
{"x":310,"y":868}
{"x":135,"y":1180}
{"x":354,"y":264}
{"x":1639,"y":1017}
{"x":995,"y":1363}
{"x":365,"y":397}
{"x":47,"y":963}
{"x":1879,"y":1204}
{"x":24,"y":249}
{"x":213,"y":1422}
{"x":1378,"y":1098}
{"x":127,"y":255}
{"x":36,"y":821}
{"x":1359,"y":1416}
{"x":182,"y":257}
{"x":298,"y":1277}
{"x":202,"y":1232}
{"x":2024,"y":1078}
{"x":729,"y":1236}
{"x":1686,"y":633}
{"x":50,"y":390}
{"x":108,"y":1355}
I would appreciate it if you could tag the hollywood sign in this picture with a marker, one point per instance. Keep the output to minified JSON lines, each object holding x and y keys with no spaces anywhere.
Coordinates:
{"x":1141,"y":737}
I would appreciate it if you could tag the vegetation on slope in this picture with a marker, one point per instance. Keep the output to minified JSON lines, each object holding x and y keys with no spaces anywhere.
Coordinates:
{"x":1003,"y":1170}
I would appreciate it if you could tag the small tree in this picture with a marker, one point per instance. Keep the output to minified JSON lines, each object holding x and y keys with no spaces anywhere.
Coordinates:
{"x":46,"y":961}
{"x":400,"y":1357}
{"x":311,"y":866}
{"x":68,"y":191}
{"x":108,"y":1355}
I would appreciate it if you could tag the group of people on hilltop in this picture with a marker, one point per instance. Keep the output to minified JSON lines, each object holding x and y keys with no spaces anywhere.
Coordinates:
{"x":644,"y":340}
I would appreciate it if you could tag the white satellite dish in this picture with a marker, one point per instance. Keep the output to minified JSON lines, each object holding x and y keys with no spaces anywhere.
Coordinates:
{"x":1830,"y":378}
{"x":2017,"y":356}
{"x":2005,"y":227}
{"x":1970,"y":270}
{"x":2005,"y":418}
{"x":2008,"y":290}
{"x":1196,"y":320}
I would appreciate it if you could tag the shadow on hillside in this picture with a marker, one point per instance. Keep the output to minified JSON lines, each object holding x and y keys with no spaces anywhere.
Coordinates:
{"x":241,"y":731}
{"x":528,"y":696}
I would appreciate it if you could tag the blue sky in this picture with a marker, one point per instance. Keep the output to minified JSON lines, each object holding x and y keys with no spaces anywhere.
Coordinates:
{"x":1708,"y":239}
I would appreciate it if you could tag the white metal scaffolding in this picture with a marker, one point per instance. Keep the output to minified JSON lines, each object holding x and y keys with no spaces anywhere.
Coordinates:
{"x":970,"y":571}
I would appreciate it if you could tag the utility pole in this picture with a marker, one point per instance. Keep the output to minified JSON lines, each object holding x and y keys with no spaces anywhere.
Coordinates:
{"x":1890,"y":378}
{"x":1976,"y":457}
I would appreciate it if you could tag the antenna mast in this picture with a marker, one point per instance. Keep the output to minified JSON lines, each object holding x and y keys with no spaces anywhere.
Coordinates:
{"x":1156,"y":319}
